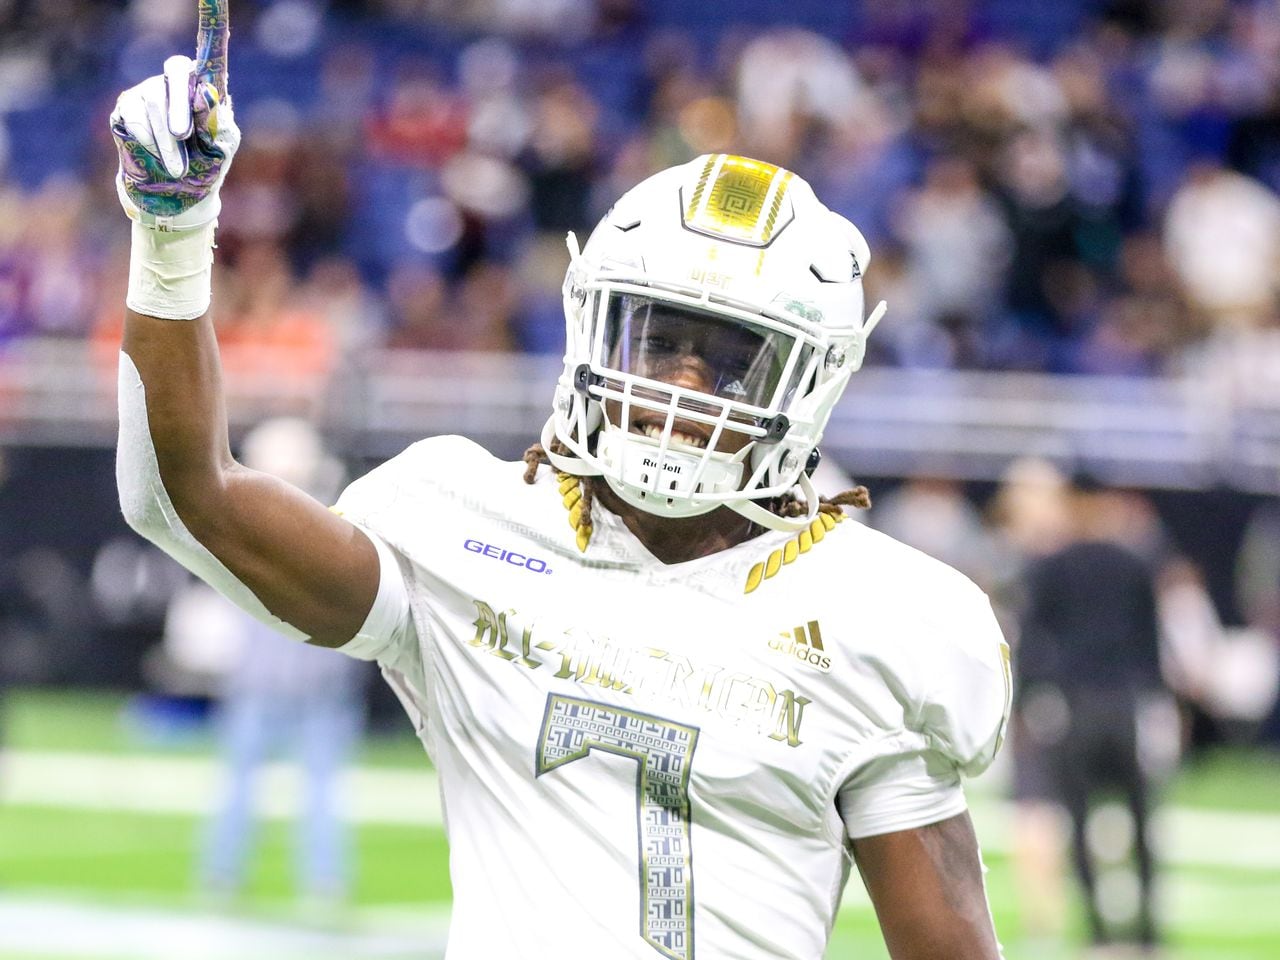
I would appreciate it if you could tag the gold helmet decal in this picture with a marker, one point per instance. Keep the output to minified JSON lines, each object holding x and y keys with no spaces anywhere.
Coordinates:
{"x":739,"y":199}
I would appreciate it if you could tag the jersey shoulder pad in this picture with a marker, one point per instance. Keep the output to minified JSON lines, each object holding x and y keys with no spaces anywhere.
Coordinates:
{"x":954,"y":662}
{"x":969,"y":691}
{"x":431,"y":467}
{"x":864,"y":557}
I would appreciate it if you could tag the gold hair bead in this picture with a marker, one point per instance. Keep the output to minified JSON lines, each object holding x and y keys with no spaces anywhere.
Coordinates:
{"x":571,"y":496}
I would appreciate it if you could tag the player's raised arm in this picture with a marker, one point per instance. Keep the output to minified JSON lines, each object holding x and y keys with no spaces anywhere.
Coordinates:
{"x":266,"y":545}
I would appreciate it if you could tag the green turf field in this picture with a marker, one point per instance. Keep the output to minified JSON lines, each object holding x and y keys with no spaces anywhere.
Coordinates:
{"x":84,"y":851}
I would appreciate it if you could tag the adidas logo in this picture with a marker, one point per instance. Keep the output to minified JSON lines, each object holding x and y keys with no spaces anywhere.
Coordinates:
{"x":805,"y":644}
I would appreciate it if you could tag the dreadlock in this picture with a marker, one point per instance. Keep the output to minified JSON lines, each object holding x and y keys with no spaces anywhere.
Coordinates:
{"x":536,"y":456}
{"x":858,"y":497}
{"x":578,"y":497}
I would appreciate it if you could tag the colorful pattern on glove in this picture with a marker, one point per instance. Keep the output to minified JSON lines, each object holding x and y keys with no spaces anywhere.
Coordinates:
{"x":143,"y":127}
{"x":211,"y":44}
{"x":147,"y":182}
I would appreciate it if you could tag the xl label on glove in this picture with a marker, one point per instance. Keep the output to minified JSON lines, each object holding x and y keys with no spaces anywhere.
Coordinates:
{"x":176,"y":133}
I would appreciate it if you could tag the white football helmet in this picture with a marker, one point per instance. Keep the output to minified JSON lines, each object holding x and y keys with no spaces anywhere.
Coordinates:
{"x":713,"y":321}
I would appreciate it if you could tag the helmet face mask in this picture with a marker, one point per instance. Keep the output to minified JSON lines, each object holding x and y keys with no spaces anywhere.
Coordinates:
{"x":706,"y":349}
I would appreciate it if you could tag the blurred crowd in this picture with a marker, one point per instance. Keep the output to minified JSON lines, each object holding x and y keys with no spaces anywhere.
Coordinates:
{"x":1083,"y":187}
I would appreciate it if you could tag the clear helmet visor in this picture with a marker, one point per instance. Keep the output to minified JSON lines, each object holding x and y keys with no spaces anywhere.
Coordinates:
{"x":728,"y":358}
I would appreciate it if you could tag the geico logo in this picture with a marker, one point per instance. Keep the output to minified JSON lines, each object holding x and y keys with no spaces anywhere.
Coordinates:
{"x":506,"y":556}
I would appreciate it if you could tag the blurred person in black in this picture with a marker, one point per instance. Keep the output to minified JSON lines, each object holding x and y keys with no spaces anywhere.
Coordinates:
{"x":1087,"y":662}
{"x":1257,"y":580}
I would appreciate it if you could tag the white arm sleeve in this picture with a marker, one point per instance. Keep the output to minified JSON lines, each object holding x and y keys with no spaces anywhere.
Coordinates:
{"x":149,"y":511}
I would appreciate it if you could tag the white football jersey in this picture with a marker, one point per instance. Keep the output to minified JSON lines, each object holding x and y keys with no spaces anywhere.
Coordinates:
{"x":640,"y":759}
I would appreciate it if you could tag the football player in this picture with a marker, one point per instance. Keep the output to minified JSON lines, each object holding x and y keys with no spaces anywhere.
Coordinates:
{"x":673,"y":699}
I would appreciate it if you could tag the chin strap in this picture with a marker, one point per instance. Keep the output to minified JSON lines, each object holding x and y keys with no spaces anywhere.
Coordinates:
{"x":574,"y":465}
{"x":767,"y":518}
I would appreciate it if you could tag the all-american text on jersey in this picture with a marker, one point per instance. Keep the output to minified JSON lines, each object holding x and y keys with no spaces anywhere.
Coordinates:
{"x":656,"y":674}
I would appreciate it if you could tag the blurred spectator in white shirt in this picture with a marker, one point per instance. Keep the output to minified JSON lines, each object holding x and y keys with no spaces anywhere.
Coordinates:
{"x":1222,"y":234}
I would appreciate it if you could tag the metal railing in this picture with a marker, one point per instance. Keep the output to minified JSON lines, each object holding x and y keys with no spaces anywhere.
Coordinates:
{"x":1187,"y":432}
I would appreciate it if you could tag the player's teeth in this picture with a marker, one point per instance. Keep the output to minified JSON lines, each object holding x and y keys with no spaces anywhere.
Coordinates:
{"x":654,"y":432}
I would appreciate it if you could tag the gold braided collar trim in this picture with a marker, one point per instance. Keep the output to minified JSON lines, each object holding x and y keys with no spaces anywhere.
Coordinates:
{"x":571,"y":497}
{"x":787,"y":553}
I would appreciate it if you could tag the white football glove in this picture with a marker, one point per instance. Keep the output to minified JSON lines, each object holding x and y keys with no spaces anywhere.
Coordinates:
{"x":176,"y":134}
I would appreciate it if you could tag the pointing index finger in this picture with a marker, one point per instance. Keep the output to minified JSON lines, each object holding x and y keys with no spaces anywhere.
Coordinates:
{"x":211,"y":43}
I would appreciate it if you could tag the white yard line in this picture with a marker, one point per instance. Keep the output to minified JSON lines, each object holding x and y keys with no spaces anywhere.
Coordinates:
{"x":44,"y":927}
{"x":190,"y":786}
{"x":1183,"y":836}
{"x":1204,"y":902}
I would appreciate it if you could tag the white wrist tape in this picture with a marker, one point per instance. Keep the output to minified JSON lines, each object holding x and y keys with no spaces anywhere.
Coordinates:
{"x":171,"y":273}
